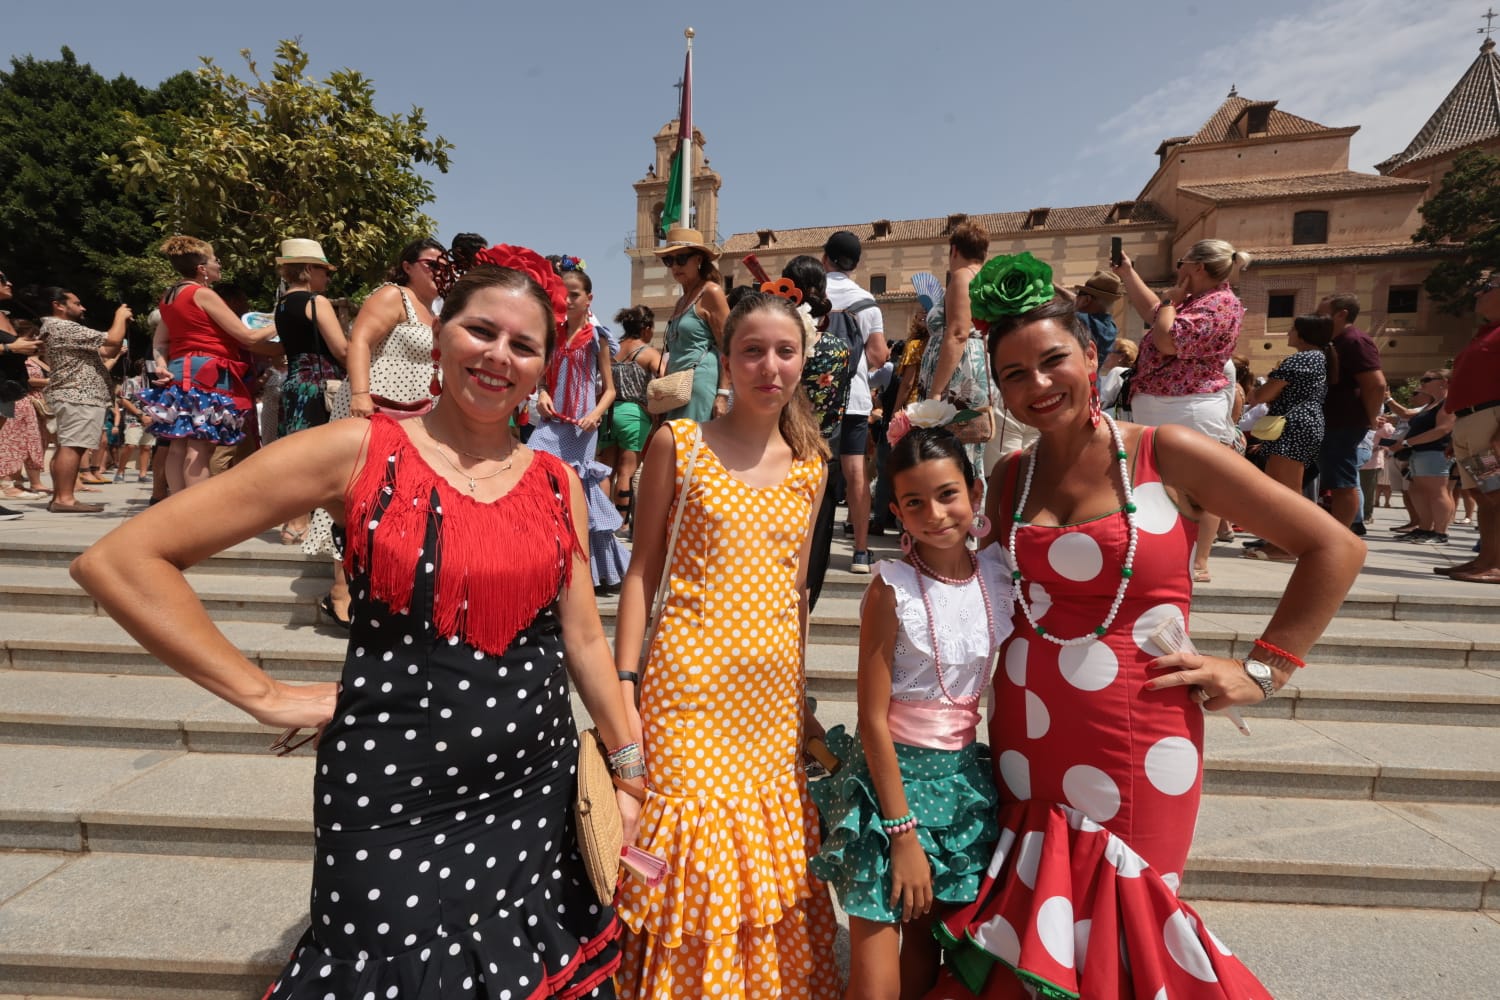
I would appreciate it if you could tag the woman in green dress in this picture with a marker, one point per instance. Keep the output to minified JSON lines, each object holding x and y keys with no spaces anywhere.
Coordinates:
{"x":697,"y":323}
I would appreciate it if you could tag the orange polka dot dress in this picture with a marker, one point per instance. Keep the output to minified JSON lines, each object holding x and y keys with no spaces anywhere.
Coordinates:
{"x":737,"y":915}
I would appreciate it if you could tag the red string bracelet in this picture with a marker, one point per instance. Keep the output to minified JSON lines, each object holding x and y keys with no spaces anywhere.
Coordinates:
{"x":1275,"y":650}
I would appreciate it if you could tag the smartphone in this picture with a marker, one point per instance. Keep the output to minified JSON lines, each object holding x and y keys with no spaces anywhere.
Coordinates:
{"x":1116,"y":251}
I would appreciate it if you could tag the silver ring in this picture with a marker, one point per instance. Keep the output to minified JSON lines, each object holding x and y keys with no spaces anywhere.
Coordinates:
{"x":1200,"y":695}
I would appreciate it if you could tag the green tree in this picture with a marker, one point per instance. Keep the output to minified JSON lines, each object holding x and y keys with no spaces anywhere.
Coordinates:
{"x":1464,"y":219}
{"x":65,"y":219}
{"x":271,"y":158}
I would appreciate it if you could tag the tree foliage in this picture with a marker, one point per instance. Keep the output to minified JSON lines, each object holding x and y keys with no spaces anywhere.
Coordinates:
{"x":287,"y":156}
{"x":65,"y":219}
{"x":1463,"y":217}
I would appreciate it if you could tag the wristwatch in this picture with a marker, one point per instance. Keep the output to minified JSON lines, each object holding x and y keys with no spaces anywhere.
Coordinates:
{"x":1261,"y":674}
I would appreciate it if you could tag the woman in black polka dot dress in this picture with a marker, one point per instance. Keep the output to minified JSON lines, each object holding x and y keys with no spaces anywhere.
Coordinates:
{"x":446,"y":861}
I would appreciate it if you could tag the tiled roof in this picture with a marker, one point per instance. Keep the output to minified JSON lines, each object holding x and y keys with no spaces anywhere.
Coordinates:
{"x":1326,"y":253}
{"x":1142,"y":213}
{"x":1469,"y":114}
{"x":1229,"y":122}
{"x":1342,"y":182}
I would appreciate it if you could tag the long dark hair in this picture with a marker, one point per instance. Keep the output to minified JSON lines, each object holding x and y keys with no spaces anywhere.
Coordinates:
{"x":1317,"y":331}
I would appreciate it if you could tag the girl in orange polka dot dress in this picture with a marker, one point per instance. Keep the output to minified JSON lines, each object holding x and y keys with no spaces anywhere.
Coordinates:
{"x":721,"y":718}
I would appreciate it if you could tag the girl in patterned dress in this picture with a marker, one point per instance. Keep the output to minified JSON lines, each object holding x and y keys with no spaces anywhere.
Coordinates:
{"x":911,"y":814}
{"x":721,"y":718}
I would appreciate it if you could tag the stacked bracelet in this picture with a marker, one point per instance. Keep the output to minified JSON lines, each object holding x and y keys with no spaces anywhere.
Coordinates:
{"x":626,"y":762}
{"x":899,"y":825}
{"x":1274,"y":650}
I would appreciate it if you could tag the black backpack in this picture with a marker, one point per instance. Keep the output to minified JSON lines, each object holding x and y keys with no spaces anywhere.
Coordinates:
{"x":844,"y":323}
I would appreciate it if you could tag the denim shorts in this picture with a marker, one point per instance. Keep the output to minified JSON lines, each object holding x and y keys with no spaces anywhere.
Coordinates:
{"x":1429,"y":463}
{"x":1338,"y":459}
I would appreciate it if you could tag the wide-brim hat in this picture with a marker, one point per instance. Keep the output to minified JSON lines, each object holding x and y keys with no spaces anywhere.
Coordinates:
{"x":303,"y":252}
{"x":1104,"y":286}
{"x":682,"y":238}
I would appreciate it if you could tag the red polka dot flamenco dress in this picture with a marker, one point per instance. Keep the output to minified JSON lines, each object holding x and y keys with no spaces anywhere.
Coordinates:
{"x":1099,"y":779}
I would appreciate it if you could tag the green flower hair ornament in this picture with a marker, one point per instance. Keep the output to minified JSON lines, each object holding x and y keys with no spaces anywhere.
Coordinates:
{"x":1009,"y":285}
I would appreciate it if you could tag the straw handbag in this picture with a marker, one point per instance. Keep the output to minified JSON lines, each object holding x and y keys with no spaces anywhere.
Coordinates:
{"x":600,"y":830}
{"x":601,"y":834}
{"x":669,"y":392}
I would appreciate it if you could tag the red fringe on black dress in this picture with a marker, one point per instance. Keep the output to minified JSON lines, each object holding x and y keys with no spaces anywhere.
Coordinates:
{"x":509,"y":559}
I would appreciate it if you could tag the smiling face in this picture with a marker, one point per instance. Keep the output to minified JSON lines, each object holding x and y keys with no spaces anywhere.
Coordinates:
{"x":493,"y":351}
{"x":421,"y":275}
{"x":1043,"y":374}
{"x":934,"y":503}
{"x":765,"y":358}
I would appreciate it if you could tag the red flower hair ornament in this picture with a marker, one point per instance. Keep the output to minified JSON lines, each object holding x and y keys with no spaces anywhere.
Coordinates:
{"x":530,"y":263}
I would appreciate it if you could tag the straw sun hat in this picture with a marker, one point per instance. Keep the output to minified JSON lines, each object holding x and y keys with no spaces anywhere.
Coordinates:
{"x":303,"y":252}
{"x":682,"y":238}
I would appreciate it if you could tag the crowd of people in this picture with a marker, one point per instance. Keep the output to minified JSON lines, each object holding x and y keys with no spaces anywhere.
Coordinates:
{"x":1057,"y":486}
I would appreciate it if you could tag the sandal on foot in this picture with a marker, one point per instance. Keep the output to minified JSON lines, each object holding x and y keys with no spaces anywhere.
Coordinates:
{"x":325,"y":605}
{"x":1202,"y":576}
{"x":289,"y":537}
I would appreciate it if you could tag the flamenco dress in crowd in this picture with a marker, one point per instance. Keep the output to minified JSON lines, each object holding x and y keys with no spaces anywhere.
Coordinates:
{"x":446,"y":858}
{"x":737,"y":917}
{"x":310,"y":365}
{"x":570,"y":381}
{"x":1099,"y":779}
{"x":401,"y":371}
{"x":207,"y":399}
{"x":969,"y":386}
{"x":933,"y":718}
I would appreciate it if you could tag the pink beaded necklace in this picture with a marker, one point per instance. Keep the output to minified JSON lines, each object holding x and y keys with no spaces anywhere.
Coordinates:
{"x":920,"y":565}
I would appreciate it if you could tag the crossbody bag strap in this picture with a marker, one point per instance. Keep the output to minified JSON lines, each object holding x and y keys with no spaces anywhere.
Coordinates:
{"x":664,"y":585}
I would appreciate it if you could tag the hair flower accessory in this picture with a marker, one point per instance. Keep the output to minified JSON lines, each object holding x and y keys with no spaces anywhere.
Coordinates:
{"x":922,"y":413}
{"x":785,"y":288}
{"x":1009,"y":285}
{"x":534,"y":266}
{"x":809,"y":329}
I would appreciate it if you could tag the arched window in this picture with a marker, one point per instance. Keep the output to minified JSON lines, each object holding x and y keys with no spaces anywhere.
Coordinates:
{"x":1310,"y":227}
{"x":655,"y":235}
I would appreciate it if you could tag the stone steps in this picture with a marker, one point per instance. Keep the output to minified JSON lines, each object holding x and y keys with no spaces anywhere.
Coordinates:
{"x":1386,"y":757}
{"x":151,"y":847}
{"x":1420,"y":841}
{"x":57,"y":938}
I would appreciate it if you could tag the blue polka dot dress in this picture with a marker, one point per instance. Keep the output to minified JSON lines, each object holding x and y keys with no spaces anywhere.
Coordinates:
{"x":446,"y":859}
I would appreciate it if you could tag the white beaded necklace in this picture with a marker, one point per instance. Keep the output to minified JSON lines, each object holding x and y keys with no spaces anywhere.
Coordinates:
{"x":1125,"y":570}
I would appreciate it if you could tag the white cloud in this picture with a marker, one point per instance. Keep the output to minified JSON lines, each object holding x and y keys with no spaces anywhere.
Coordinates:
{"x":1383,"y":65}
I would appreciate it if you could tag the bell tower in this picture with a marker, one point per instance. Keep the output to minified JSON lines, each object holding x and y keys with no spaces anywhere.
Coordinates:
{"x":650,"y":284}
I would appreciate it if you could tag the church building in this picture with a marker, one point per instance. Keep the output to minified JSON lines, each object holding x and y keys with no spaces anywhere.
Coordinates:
{"x":1271,"y":182}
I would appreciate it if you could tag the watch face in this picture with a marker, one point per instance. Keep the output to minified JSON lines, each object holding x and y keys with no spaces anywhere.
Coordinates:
{"x":1258,"y":670}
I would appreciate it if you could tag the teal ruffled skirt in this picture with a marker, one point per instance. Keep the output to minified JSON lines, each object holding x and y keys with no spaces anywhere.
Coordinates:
{"x":952,"y":793}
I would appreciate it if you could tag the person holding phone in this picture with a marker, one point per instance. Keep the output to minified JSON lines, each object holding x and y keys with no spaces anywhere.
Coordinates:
{"x":1095,"y":301}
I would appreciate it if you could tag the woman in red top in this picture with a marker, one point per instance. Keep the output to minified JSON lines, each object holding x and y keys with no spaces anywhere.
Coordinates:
{"x":199,"y":400}
{"x":1096,"y":731}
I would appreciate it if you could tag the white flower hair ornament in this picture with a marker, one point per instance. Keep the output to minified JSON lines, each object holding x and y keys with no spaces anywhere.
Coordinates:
{"x":922,"y":413}
{"x":809,"y":329}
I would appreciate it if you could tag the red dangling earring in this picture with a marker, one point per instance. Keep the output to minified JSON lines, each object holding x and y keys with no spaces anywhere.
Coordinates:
{"x":435,"y":387}
{"x":1095,"y":411}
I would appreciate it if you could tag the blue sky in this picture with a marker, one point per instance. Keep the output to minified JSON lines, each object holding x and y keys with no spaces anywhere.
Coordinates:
{"x":814,"y":113}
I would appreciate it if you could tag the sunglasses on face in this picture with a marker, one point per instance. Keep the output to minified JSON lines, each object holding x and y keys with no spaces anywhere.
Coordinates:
{"x":433,"y":264}
{"x":1429,"y":378}
{"x":678,"y":259}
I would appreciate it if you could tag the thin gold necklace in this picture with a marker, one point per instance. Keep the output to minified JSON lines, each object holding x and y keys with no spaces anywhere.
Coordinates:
{"x":473,"y":479}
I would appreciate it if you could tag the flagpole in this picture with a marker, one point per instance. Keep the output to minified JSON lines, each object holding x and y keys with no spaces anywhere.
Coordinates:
{"x":686,"y":126}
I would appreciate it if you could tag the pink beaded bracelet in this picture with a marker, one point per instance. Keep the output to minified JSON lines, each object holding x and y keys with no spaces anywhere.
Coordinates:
{"x":910,"y":824}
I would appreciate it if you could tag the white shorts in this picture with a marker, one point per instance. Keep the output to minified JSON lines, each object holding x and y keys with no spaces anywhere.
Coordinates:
{"x":135,"y":435}
{"x":1205,"y":413}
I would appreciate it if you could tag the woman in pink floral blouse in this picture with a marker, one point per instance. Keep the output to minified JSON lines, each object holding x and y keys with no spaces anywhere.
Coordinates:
{"x":1180,"y":376}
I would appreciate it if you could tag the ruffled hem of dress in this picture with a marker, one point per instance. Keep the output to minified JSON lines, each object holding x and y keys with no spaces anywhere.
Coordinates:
{"x":198,"y":414}
{"x":714,"y":885}
{"x":956,"y":827}
{"x":791,"y":958}
{"x":480,"y":962}
{"x":608,"y":557}
{"x":1072,"y":911}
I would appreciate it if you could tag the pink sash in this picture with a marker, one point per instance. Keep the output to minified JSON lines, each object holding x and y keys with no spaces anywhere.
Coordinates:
{"x":934,"y":725}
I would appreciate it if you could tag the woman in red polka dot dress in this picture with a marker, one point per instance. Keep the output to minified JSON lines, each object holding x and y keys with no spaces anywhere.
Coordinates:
{"x":1097,"y":736}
